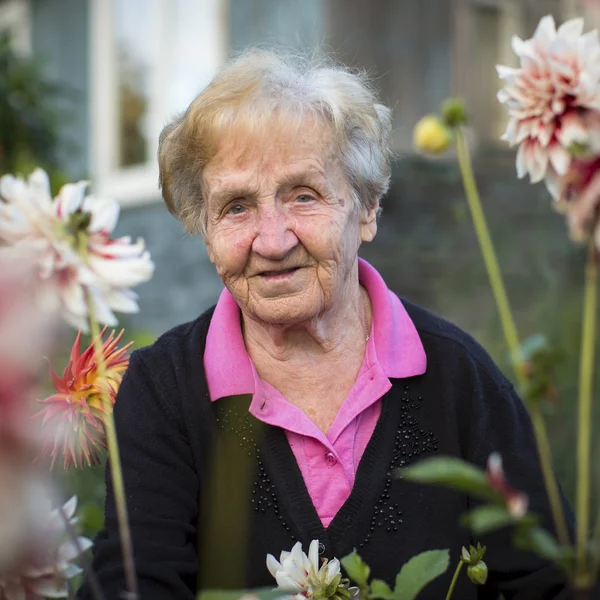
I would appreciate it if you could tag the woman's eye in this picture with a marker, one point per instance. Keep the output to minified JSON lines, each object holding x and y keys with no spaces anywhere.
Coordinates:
{"x":236,"y":209}
{"x":304,"y":198}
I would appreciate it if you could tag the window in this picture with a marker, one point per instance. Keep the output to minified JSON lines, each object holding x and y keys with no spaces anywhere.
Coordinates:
{"x":149,"y":59}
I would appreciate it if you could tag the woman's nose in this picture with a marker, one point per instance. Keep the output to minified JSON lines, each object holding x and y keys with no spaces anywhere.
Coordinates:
{"x":274,"y":237}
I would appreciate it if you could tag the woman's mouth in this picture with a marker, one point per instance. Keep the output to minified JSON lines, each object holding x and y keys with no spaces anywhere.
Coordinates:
{"x":279,"y":275}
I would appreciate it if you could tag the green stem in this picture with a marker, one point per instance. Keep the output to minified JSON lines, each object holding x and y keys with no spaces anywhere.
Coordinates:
{"x":545,"y":454}
{"x":489,"y":257}
{"x":114,"y":460}
{"x":586,"y":379}
{"x":454,"y":580}
{"x":509,"y":329}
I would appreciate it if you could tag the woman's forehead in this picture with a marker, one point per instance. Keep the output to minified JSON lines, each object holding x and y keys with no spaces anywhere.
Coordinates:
{"x":289,"y":152}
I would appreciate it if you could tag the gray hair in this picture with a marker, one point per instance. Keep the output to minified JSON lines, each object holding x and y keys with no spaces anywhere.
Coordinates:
{"x":254,"y":87}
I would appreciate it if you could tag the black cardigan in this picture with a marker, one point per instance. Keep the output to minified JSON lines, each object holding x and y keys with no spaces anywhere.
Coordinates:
{"x":210,"y":486}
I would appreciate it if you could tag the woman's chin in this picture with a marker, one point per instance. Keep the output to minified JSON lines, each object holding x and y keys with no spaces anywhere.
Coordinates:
{"x":286,"y":310}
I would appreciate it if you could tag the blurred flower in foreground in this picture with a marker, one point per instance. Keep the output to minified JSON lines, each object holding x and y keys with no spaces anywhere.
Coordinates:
{"x":46,"y":571}
{"x":299,"y":575}
{"x":24,"y":333}
{"x":431,"y":135}
{"x":553,"y":97}
{"x":75,"y":254}
{"x":77,"y":412}
{"x":516,"y":502}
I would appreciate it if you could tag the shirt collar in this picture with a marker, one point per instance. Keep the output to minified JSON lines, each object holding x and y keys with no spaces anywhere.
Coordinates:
{"x":394,"y":341}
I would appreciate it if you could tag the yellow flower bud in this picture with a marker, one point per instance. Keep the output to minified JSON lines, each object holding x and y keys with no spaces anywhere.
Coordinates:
{"x":431,"y":135}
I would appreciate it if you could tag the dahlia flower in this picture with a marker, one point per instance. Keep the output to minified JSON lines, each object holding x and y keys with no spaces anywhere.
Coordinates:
{"x":553,"y":97}
{"x":577,"y":196}
{"x":77,"y":259}
{"x":47,"y":569}
{"x":516,"y":502}
{"x":78,"y":411}
{"x":300,"y":575}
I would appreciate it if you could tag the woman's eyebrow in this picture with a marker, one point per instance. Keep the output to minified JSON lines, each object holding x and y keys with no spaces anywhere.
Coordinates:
{"x":303,"y":177}
{"x":225,"y":194}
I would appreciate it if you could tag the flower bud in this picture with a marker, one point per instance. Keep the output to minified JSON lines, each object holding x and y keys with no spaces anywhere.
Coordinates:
{"x":478,"y":573}
{"x":454,"y":113}
{"x":431,"y":135}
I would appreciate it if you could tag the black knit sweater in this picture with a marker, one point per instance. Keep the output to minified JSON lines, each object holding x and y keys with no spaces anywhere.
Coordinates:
{"x":211,"y":490}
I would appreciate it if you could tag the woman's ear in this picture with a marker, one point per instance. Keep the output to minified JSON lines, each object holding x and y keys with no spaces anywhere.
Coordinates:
{"x":368,"y":222}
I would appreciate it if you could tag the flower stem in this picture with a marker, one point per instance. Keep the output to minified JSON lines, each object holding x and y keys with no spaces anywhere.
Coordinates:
{"x":510,"y":330}
{"x":454,"y":580}
{"x":489,"y":257}
{"x":586,"y":380}
{"x":114,"y":460}
{"x":553,"y":491}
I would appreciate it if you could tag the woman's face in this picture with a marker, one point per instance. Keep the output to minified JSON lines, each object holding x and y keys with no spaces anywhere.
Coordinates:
{"x":282,"y":228}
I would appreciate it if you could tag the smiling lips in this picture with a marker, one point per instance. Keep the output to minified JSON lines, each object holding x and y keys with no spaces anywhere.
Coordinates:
{"x":275,"y":275}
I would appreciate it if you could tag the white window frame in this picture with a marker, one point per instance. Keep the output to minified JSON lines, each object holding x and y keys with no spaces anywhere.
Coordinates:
{"x":15,"y":16}
{"x":134,"y":185}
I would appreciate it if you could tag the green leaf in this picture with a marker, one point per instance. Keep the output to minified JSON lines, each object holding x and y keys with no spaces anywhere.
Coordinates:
{"x":358,"y":570}
{"x":485,"y":519}
{"x":451,"y":473}
{"x":540,"y":541}
{"x":380,"y":589}
{"x":419,"y":571}
{"x":259,"y":594}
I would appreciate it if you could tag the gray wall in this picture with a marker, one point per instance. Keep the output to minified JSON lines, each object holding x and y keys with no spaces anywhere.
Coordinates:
{"x":60,"y":37}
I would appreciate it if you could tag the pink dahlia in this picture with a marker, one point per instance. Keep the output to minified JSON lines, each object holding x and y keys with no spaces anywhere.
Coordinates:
{"x":78,"y":411}
{"x":577,"y":196}
{"x":78,"y":261}
{"x":553,"y":97}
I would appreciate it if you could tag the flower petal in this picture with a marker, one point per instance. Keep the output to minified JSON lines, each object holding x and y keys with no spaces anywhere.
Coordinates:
{"x":273,"y":565}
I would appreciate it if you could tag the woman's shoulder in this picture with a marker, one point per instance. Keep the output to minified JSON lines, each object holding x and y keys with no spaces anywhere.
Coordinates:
{"x":167,"y":375}
{"x":173,"y":366}
{"x":447,"y":343}
{"x":185,"y":341}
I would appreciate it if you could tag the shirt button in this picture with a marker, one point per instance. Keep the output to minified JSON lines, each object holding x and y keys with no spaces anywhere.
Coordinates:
{"x":330,"y":459}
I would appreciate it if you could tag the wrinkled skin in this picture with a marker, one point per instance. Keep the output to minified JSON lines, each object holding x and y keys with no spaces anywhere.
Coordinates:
{"x":282,"y":202}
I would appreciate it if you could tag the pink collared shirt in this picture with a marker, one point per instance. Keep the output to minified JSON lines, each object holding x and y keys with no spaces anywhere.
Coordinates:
{"x":328,"y":462}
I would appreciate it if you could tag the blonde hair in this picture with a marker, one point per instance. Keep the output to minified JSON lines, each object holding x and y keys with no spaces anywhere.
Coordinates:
{"x":261,"y":85}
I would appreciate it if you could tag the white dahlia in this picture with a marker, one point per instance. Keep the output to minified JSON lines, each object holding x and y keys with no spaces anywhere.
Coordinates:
{"x":550,"y":97}
{"x":300,"y":576}
{"x":78,"y":262}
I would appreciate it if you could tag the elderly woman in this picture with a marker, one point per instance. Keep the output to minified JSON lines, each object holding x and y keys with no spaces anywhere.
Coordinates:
{"x":282,"y":413}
